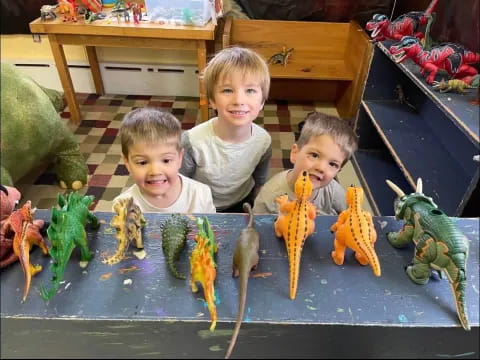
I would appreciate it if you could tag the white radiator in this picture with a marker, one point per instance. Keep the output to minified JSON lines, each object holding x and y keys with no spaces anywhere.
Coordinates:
{"x":118,"y":78}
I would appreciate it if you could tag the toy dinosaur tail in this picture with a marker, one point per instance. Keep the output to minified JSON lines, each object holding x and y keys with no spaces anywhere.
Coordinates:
{"x":24,"y":252}
{"x":455,"y":271}
{"x":294,"y":257}
{"x":243,"y":281}
{"x":171,"y":266}
{"x":470,"y":57}
{"x":459,"y":289}
{"x":210,"y":299}
{"x":248,"y":209}
{"x":431,"y":7}
{"x":365,"y":246}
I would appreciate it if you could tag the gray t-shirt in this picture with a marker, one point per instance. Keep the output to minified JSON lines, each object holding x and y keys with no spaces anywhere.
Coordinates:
{"x":329,"y":200}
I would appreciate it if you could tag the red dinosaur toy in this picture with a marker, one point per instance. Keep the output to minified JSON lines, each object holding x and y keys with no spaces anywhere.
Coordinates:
{"x":451,"y":57}
{"x":25,"y":233}
{"x":405,"y":25}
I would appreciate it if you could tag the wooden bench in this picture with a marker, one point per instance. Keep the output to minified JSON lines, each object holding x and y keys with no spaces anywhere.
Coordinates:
{"x":330,"y":61}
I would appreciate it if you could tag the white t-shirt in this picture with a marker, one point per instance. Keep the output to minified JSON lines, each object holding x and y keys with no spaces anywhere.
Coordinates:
{"x":231,"y":170}
{"x":195,"y":197}
{"x":329,"y":200}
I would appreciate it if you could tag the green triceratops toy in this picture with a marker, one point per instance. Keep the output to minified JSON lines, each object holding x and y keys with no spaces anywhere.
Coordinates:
{"x":66,"y":231}
{"x":439,"y":245}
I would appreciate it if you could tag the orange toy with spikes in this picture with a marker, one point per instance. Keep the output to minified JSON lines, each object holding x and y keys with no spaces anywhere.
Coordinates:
{"x":295,"y":223}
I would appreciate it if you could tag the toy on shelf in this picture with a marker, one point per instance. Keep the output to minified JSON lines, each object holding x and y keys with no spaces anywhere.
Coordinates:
{"x":30,"y":117}
{"x":456,"y":85}
{"x":90,"y":16}
{"x":354,"y":229}
{"x":245,"y":259}
{"x":136,"y":12}
{"x":202,"y":266}
{"x":281,"y":57}
{"x":405,"y":25}
{"x":25,"y":234}
{"x":295,"y":223}
{"x":68,"y":9}
{"x":174,"y":238}
{"x":452,"y":58}
{"x":438,"y":243}
{"x":128,"y":222}
{"x":67,"y":231}
{"x":48,"y":12}
{"x":92,"y":5}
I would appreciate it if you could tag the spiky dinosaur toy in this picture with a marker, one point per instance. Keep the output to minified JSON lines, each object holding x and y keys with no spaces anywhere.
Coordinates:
{"x":438,"y":243}
{"x":453,"y":58}
{"x":26,"y":234}
{"x":456,"y":85}
{"x":128,"y":222}
{"x":354,"y":229}
{"x":202,"y":265}
{"x":66,"y":231}
{"x":295,"y":223}
{"x":174,"y":238}
{"x":405,"y":25}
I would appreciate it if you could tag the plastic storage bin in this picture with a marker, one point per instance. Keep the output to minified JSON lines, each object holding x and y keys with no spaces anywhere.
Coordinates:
{"x":179,"y":12}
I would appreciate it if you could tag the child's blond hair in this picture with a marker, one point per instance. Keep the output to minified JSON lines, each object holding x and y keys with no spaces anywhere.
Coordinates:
{"x":247,"y":61}
{"x":317,"y":123}
{"x":149,"y":125}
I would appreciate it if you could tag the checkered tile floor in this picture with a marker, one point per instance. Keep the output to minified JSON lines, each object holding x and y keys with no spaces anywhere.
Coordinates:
{"x":97,"y":135}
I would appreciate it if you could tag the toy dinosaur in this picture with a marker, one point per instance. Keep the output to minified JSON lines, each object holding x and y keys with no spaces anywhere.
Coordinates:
{"x":174,"y":238}
{"x":456,"y":85}
{"x":295,"y":223}
{"x":245,"y":259}
{"x":26,"y":234}
{"x":48,"y":11}
{"x":30,"y":117}
{"x":66,"y":231}
{"x":452,"y":58}
{"x":354,"y":229}
{"x":68,"y":9}
{"x":405,"y":25}
{"x":438,"y":243}
{"x":128,"y":223}
{"x":281,"y":57}
{"x":202,"y":265}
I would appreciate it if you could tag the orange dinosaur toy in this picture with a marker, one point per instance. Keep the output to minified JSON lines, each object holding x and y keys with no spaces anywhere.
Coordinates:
{"x":295,"y":223}
{"x":202,"y":265}
{"x":27,"y":233}
{"x":354,"y":229}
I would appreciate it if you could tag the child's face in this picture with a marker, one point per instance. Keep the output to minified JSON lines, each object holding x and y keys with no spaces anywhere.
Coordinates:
{"x":154,"y":168}
{"x":237,"y":99}
{"x":321,"y":156}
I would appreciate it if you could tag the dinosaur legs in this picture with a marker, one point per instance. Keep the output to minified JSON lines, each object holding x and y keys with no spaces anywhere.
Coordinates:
{"x":401,"y":238}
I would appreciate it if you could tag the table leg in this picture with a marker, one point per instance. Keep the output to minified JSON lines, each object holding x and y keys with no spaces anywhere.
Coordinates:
{"x":95,"y":68}
{"x":64,"y":74}
{"x":202,"y":62}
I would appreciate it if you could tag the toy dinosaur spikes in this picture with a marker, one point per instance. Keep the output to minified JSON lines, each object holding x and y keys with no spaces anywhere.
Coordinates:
{"x":354,"y":229}
{"x":128,"y":222}
{"x":438,"y":243}
{"x":27,"y":233}
{"x":295,"y":223}
{"x":202,"y":265}
{"x":174,"y":237}
{"x":66,"y":231}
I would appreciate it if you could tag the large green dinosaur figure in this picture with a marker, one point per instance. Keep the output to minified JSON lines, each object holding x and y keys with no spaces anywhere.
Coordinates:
{"x":66,"y":231}
{"x":439,"y":245}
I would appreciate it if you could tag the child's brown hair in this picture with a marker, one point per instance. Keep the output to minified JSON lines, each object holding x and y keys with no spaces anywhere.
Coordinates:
{"x":149,"y":125}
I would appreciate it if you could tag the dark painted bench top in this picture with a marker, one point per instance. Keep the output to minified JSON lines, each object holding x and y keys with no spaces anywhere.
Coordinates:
{"x":327,"y":293}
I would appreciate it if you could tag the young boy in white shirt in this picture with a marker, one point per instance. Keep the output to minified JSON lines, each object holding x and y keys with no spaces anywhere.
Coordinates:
{"x":229,"y":152}
{"x":152,"y":152}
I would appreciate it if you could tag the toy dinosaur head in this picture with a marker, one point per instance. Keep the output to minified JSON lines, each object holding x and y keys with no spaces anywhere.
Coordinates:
{"x":9,"y":198}
{"x":408,"y":47}
{"x":378,"y":22}
{"x":303,"y":186}
{"x":354,"y":195}
{"x":403,"y":203}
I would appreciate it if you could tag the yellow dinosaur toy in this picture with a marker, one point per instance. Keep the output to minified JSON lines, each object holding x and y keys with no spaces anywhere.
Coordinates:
{"x":295,"y":223}
{"x":202,"y":265}
{"x":354,"y":229}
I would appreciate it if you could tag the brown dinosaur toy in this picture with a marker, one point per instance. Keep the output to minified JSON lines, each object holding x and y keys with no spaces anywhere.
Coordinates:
{"x":245,"y":259}
{"x":25,"y":234}
{"x":295,"y":223}
{"x":354,"y":229}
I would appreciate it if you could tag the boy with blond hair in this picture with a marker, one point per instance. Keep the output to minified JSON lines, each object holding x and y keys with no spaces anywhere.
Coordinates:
{"x":325,"y":144}
{"x":152,"y":152}
{"x":229,"y":152}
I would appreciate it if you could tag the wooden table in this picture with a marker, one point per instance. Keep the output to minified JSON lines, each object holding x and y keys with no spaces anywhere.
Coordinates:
{"x":339,"y":312}
{"x":123,"y":34}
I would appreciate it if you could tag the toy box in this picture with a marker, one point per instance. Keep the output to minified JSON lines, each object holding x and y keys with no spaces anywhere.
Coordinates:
{"x":180,"y":12}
